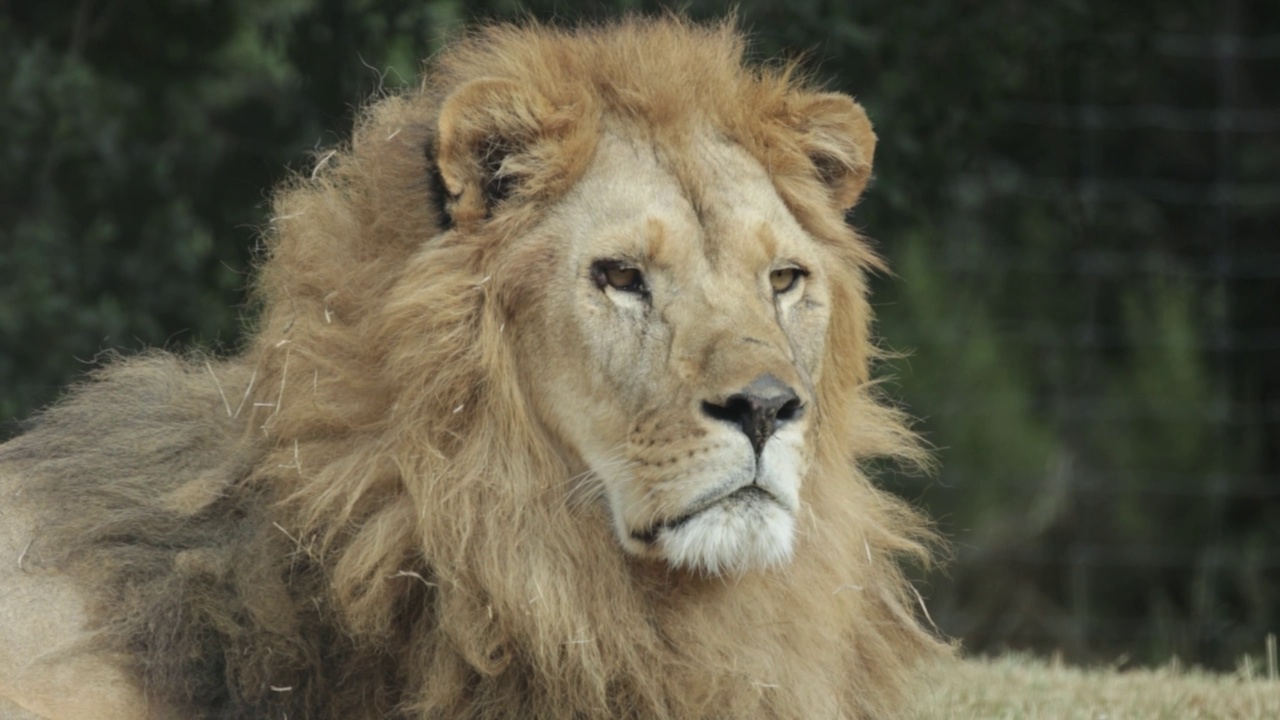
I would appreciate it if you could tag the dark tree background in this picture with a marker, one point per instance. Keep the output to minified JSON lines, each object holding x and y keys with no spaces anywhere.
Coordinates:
{"x":1080,"y":199}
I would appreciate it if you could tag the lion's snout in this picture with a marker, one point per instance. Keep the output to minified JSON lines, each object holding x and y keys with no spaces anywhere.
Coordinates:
{"x":720,"y":493}
{"x":757,"y":409}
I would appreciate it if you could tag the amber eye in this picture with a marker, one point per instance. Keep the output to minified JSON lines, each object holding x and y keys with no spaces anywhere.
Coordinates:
{"x":618,"y":276}
{"x":784,"y":279}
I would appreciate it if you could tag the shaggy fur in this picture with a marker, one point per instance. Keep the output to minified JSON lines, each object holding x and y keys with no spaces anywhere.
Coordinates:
{"x":363,"y":508}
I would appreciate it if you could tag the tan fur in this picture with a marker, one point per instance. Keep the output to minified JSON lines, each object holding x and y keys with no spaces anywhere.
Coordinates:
{"x":387,"y":505}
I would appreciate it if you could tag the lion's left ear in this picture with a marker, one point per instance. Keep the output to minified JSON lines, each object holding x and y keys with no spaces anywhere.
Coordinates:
{"x":484,"y":128}
{"x":837,"y":137}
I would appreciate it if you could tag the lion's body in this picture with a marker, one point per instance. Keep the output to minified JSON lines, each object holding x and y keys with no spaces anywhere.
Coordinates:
{"x":481,"y":458}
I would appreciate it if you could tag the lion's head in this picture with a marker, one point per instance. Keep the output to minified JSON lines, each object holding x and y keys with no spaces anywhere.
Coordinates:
{"x":559,"y":344}
{"x":670,"y":308}
{"x":683,"y":314}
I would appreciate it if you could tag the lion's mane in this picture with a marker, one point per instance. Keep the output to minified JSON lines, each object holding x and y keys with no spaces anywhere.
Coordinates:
{"x":358,"y":516}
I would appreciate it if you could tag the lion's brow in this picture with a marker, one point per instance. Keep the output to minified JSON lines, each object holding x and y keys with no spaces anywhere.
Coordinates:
{"x":658,"y":245}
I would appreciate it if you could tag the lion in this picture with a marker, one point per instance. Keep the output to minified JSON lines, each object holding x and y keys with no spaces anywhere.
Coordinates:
{"x":558,"y":405}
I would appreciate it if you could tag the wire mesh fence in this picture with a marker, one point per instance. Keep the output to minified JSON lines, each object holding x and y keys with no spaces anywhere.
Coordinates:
{"x":1103,"y":372}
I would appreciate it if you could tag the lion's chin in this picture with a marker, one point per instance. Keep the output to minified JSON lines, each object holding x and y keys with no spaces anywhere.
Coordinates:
{"x":730,"y":538}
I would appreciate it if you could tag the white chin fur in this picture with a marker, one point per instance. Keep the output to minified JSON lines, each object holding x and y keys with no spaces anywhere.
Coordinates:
{"x":731,"y":540}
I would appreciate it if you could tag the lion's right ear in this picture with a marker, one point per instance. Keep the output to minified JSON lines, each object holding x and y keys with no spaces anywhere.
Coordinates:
{"x":484,"y":127}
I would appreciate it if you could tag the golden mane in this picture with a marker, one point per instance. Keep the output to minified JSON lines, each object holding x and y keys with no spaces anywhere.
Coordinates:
{"x":407,"y":538}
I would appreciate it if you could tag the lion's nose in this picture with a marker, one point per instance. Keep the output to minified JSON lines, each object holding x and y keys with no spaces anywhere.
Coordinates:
{"x":758,"y":408}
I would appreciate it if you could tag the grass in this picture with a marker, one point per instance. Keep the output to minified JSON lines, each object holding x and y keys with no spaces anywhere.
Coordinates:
{"x":1023,"y":688}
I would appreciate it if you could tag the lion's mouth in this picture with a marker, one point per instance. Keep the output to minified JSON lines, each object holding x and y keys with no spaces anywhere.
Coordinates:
{"x":745,"y":495}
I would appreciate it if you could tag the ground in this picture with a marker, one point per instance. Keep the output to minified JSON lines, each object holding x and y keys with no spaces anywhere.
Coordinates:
{"x":1023,"y":688}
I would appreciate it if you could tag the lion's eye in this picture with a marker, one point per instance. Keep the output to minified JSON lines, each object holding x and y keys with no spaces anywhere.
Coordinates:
{"x":618,"y":276}
{"x":784,"y":279}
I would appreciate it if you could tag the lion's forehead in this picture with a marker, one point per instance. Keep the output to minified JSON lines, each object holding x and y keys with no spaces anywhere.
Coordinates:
{"x":692,"y":203}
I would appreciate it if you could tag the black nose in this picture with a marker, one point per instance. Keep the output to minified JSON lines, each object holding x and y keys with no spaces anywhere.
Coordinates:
{"x":758,"y":409}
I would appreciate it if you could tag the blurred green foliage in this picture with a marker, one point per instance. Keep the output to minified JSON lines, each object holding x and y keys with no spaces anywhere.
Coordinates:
{"x":1079,"y":199}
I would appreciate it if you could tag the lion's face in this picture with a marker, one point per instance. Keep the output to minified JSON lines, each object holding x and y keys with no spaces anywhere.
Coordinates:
{"x":682,"y":339}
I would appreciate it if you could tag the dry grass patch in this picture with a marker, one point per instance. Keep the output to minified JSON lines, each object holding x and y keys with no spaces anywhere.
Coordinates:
{"x":1032,"y":689}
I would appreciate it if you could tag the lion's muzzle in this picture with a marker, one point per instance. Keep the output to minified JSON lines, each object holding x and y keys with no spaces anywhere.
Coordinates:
{"x":730,"y":507}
